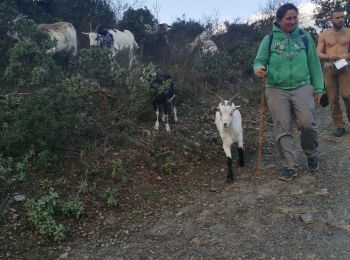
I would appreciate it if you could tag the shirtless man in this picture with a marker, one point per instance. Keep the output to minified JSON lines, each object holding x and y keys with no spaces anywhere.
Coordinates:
{"x":333,"y":45}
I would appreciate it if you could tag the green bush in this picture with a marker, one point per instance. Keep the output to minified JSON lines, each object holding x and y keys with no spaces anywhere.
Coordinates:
{"x":216,"y":68}
{"x":41,"y":214}
{"x":164,"y":161}
{"x":53,"y":120}
{"x":111,"y":196}
{"x":30,"y":66}
{"x":74,"y":208}
{"x":72,"y":116}
{"x":5,"y":168}
{"x":95,"y":63}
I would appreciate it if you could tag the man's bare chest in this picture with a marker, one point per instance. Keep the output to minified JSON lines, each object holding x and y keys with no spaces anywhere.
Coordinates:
{"x":336,"y":39}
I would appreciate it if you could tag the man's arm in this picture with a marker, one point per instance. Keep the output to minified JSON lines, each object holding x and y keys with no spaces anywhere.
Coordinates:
{"x":321,"y":47}
{"x":347,"y":55}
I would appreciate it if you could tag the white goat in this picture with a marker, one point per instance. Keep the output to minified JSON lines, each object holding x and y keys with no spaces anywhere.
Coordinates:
{"x":115,"y":40}
{"x":228,"y":121}
{"x":207,"y":46}
{"x":63,"y":33}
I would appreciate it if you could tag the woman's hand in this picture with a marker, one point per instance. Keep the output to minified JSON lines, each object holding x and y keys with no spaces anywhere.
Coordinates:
{"x":261,"y":72}
{"x":318,"y":97}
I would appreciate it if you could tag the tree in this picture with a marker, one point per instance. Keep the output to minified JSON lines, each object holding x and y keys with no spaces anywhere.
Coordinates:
{"x":324,"y":9}
{"x":135,"y":21}
{"x":7,"y":11}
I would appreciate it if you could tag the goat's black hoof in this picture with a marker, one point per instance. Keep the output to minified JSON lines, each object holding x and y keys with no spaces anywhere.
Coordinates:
{"x":230,"y":179}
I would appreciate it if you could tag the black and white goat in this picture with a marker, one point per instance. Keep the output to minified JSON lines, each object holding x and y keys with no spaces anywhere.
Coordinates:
{"x":228,"y":121}
{"x":164,"y":99}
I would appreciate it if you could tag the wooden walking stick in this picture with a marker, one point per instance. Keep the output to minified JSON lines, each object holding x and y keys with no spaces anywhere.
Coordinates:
{"x":261,"y":125}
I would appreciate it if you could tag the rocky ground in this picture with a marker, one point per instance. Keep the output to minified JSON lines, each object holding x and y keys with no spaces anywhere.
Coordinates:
{"x":194,"y":214}
{"x":254,"y":218}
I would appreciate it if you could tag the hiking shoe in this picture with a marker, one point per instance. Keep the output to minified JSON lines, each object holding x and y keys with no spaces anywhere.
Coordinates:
{"x":312,"y":164}
{"x":339,"y":131}
{"x":287,"y":174}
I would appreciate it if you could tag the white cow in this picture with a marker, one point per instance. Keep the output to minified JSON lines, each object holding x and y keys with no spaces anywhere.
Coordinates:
{"x":63,"y":33}
{"x":203,"y":41}
{"x":115,"y":40}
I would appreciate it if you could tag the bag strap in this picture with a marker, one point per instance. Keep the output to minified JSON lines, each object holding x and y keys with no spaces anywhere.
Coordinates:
{"x":302,"y":36}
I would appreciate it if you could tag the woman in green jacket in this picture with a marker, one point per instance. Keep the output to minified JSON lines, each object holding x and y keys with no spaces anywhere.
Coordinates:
{"x":288,"y":58}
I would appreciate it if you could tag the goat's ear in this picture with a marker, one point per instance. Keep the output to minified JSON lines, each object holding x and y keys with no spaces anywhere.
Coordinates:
{"x":238,"y":106}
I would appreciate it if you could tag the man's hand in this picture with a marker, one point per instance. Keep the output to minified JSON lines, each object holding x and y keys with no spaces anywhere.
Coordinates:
{"x":333,"y":58}
{"x":345,"y":56}
{"x":261,"y":72}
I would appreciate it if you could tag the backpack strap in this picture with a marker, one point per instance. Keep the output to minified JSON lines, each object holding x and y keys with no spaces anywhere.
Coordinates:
{"x":304,"y":39}
{"x":302,"y":36}
{"x":270,"y":43}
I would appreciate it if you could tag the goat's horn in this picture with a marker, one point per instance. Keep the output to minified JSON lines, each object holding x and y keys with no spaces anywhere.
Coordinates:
{"x":97,"y":28}
{"x":232,"y":98}
{"x":221,"y":99}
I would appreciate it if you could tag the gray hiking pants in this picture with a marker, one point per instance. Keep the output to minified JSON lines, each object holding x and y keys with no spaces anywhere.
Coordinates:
{"x":286,"y":106}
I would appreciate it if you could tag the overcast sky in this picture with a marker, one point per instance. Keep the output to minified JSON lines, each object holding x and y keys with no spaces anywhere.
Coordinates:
{"x":169,"y":10}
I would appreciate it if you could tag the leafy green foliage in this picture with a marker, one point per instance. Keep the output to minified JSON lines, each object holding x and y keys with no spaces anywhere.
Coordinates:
{"x":55,"y":119}
{"x":95,"y":63}
{"x":135,"y":21}
{"x":7,"y":10}
{"x":324,"y":9}
{"x":184,"y":31}
{"x":23,"y":165}
{"x":216,"y":67}
{"x":164,"y":161}
{"x":5,"y":167}
{"x":29,"y":63}
{"x":41,"y":214}
{"x":118,"y":167}
{"x":111,"y":196}
{"x":74,"y":208}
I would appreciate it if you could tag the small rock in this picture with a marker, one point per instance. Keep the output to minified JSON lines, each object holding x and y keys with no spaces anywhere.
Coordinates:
{"x":196,"y":144}
{"x":179,"y":214}
{"x":19,"y":197}
{"x":146,"y":132}
{"x":306,"y":218}
{"x":64,"y":256}
{"x":323,"y":191}
{"x":213,"y":189}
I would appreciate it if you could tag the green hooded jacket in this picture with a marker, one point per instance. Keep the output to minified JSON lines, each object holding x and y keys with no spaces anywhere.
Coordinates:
{"x":289,"y":66}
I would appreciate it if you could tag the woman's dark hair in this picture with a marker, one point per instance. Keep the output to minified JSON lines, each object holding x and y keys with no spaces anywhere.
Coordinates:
{"x":283,"y":9}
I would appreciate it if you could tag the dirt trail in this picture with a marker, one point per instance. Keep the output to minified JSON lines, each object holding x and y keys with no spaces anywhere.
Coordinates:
{"x":255,"y":218}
